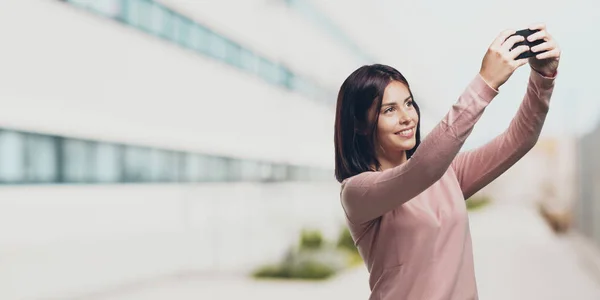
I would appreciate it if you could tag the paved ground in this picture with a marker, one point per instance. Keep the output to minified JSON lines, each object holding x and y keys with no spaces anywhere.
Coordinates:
{"x":516,"y":257}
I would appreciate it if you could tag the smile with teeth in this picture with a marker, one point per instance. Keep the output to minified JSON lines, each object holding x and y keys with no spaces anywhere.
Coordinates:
{"x":406,"y":132}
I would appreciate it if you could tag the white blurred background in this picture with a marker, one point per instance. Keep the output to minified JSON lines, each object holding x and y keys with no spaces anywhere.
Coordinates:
{"x":167,"y":149}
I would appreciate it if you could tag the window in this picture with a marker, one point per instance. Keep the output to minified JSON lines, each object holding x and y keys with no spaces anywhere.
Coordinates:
{"x":109,"y":8}
{"x":37,"y":158}
{"x":77,"y":161}
{"x":280,"y":172}
{"x":181,"y":31}
{"x":233,"y":53}
{"x":41,"y":158}
{"x":158,"y":20}
{"x":12,"y":156}
{"x":192,"y":168}
{"x":248,"y":60}
{"x":268,"y":71}
{"x":137,"y":164}
{"x":137,"y":13}
{"x":250,"y":171}
{"x":217,"y":169}
{"x":218,"y":46}
{"x":199,"y":39}
{"x":163,"y":166}
{"x":266,"y":171}
{"x":106,"y":161}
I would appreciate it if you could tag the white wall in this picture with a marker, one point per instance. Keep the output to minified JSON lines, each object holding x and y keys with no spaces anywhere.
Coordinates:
{"x":67,"y":72}
{"x":57,"y":241}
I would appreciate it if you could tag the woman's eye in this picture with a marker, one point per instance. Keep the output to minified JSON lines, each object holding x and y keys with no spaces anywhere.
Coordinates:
{"x":390,"y":109}
{"x":409,"y":103}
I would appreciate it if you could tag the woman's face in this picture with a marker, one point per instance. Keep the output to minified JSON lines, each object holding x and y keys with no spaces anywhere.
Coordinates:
{"x":398,"y":119}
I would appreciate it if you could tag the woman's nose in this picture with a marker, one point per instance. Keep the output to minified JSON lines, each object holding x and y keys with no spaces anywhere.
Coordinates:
{"x":404,"y":116}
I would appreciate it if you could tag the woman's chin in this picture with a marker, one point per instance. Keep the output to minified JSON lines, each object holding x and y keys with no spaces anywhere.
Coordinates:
{"x":405,"y":146}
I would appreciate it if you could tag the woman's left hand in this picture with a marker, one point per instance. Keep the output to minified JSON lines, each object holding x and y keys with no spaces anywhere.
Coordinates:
{"x":544,"y":63}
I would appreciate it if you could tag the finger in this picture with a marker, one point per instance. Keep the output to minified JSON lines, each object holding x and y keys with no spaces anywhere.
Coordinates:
{"x":518,"y":51}
{"x":542,"y":34}
{"x":519,"y":62}
{"x":546,"y":46}
{"x":502,"y":37}
{"x":554,"y":53}
{"x":511,"y":41}
{"x":537,"y":26}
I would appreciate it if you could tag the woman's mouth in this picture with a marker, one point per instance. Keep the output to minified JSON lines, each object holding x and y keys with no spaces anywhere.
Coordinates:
{"x":407,"y":133}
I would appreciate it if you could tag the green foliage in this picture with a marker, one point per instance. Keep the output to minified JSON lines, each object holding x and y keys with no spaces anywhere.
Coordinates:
{"x":314,"y":258}
{"x":309,"y":270}
{"x":345,"y":243}
{"x":477,"y":202}
{"x":345,"y":240}
{"x":311,"y":239}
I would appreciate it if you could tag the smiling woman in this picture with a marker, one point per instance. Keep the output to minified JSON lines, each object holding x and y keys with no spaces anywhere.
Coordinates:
{"x":404,"y":200}
{"x":382,"y":108}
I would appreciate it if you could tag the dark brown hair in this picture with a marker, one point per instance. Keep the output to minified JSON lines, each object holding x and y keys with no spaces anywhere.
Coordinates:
{"x":354,"y":135}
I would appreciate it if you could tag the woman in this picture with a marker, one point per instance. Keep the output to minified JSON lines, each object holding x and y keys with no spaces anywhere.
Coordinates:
{"x":404,"y":199}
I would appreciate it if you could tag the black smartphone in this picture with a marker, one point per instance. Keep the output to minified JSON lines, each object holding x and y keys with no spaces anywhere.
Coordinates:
{"x":525,"y":33}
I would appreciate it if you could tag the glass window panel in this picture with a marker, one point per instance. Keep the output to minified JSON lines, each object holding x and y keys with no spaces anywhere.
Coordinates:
{"x":218,"y":46}
{"x":233,"y":53}
{"x":137,"y":164}
{"x":12,"y":158}
{"x":181,"y":30}
{"x":109,"y":8}
{"x":77,"y":159}
{"x":235,"y":170}
{"x":41,"y":158}
{"x":107,"y":163}
{"x":268,"y":71}
{"x":205,"y":171}
{"x":248,"y":60}
{"x":139,"y":14}
{"x":217,"y":168}
{"x":82,"y":3}
{"x":279,"y":172}
{"x":159,"y":18}
{"x":191,"y":168}
{"x":286,"y":77}
{"x":297,"y":173}
{"x":145,"y":14}
{"x":172,"y":169}
{"x":132,"y":12}
{"x":304,"y":87}
{"x":250,"y":170}
{"x":199,"y":38}
{"x":163,"y":166}
{"x":266,"y":171}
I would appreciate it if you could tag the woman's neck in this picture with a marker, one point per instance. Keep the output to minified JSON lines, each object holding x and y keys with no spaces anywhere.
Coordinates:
{"x":388,"y":162}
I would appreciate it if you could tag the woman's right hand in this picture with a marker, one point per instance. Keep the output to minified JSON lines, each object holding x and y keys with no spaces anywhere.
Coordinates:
{"x":499,"y":61}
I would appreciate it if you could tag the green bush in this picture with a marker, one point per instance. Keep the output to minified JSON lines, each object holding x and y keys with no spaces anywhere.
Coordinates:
{"x":477,"y":202}
{"x":345,"y":240}
{"x":312,"y":270}
{"x":311,"y":239}
{"x":309,"y":270}
{"x":345,"y":243}
{"x":314,"y":258}
{"x":273,"y":271}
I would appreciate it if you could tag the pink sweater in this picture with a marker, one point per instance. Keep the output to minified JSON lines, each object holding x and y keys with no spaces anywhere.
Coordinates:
{"x":410,"y":222}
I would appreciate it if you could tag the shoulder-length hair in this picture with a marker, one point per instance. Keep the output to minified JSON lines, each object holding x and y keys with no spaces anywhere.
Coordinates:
{"x":354,"y":135}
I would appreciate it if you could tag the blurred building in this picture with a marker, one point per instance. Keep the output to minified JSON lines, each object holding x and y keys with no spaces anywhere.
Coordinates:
{"x":143,"y":138}
{"x":587,"y":209}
